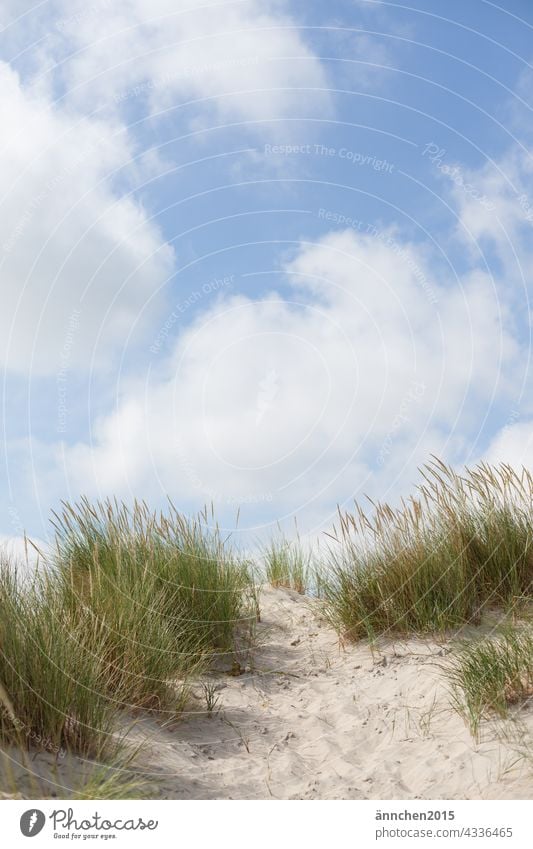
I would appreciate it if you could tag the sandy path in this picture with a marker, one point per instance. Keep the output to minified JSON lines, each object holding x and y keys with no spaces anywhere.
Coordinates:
{"x":312,"y":720}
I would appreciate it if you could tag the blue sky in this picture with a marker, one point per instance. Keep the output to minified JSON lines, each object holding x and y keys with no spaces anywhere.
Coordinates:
{"x":270,"y":255}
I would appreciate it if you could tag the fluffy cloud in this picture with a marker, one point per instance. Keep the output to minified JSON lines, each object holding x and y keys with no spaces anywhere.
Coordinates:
{"x":513,"y":445}
{"x":495,"y":209}
{"x":367,"y":366}
{"x":83,"y":265}
{"x":246,"y":61}
{"x":494,"y":204}
{"x":286,"y":404}
{"x":80,"y":262}
{"x":25,"y":555}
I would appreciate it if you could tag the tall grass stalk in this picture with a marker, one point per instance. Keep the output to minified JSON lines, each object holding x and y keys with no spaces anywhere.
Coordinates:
{"x":53,"y":676}
{"x":287,"y":564}
{"x":167,"y":589}
{"x":181,"y":567}
{"x":133,"y":607}
{"x":463,"y":544}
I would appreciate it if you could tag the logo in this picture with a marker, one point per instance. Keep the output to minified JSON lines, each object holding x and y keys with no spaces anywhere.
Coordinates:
{"x":32,"y":822}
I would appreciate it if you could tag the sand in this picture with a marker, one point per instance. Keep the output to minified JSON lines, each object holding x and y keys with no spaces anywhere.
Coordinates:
{"x":317,"y":720}
{"x":313,"y":719}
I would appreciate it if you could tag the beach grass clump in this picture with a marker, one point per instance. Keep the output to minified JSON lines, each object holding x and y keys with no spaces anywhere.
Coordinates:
{"x":29,"y":775}
{"x":169,"y":591}
{"x":111,"y":782}
{"x":464,"y":544}
{"x":132,"y":606}
{"x":53,"y":678}
{"x":149,"y":658}
{"x":490,"y":676}
{"x":286,"y":564}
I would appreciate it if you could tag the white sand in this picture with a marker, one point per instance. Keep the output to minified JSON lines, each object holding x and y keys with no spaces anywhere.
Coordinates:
{"x":316,"y":720}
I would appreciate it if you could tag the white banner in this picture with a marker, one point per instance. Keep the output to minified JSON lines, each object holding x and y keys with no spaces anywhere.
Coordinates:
{"x":269,"y":824}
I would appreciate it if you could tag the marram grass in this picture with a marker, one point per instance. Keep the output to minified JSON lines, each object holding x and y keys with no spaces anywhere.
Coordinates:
{"x":286,"y":564}
{"x":201,"y":586}
{"x":134,"y":605}
{"x":464,"y":544}
{"x":491,"y":676}
{"x":53,"y":691}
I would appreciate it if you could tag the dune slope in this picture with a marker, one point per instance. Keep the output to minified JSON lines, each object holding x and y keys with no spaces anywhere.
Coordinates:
{"x":311,"y":719}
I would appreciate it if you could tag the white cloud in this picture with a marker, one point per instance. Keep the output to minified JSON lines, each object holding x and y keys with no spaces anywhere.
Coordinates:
{"x":73,"y":251}
{"x":494,"y":202}
{"x":76,"y":249}
{"x":512,"y":445}
{"x":12,"y":11}
{"x":495,"y":206}
{"x":294,"y":402}
{"x":248,"y":57}
{"x":23,"y":555}
{"x":371,"y":362}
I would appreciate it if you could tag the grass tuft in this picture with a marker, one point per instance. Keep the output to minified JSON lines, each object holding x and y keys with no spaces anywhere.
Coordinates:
{"x":133,"y":607}
{"x":491,"y":676}
{"x":287,"y":564}
{"x":53,"y":679}
{"x":463,"y":545}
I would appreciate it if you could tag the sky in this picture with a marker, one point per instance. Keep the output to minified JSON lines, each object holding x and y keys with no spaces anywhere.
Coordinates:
{"x":262,"y":254}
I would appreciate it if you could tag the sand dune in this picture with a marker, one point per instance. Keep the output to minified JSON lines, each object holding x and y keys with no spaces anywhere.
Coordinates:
{"x":313,"y":719}
{"x":316,"y":720}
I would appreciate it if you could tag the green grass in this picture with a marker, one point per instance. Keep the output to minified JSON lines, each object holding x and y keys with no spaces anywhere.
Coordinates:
{"x":108,"y":782}
{"x":133,"y":607}
{"x":286,"y":564}
{"x":202,"y":588}
{"x":464,"y":544}
{"x":53,"y":679}
{"x":167,"y":590}
{"x":136,"y":604}
{"x":21,"y":776}
{"x":491,"y":676}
